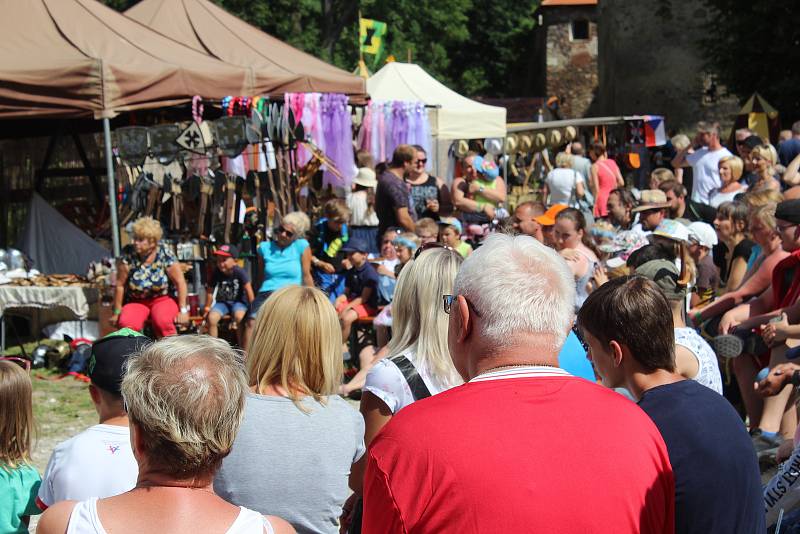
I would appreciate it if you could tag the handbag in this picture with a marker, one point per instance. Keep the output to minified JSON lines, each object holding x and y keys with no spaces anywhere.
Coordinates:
{"x":581,"y":204}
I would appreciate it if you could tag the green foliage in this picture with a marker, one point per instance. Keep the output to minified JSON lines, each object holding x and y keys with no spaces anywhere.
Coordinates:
{"x":474,"y":46}
{"x":755,"y":47}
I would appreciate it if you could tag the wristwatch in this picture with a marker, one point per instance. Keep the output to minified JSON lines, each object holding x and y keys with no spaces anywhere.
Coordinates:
{"x":481,"y":189}
{"x":185,"y":309}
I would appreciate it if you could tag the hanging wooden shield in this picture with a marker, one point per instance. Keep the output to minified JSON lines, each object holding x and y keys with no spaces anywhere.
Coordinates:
{"x":133,"y":143}
{"x":231,"y":135}
{"x":162,"y":142}
{"x":192,"y":138}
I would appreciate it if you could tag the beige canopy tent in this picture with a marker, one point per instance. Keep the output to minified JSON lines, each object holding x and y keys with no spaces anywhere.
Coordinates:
{"x":452,"y":116}
{"x":81,"y":59}
{"x":278,"y":67}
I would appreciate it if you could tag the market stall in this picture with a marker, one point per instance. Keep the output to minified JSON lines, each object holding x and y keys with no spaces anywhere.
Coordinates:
{"x":452,"y":116}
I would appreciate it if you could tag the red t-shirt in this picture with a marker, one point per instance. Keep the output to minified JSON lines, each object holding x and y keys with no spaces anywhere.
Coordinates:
{"x":526,"y":450}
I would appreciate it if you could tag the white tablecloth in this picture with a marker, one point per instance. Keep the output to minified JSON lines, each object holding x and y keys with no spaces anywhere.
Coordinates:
{"x":45,"y":305}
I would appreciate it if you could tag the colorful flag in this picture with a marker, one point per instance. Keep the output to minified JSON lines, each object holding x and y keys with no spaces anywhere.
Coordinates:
{"x":371,"y":34}
{"x":654,"y":132}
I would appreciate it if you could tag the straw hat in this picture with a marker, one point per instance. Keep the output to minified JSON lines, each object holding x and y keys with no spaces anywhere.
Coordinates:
{"x":493,"y":145}
{"x":554,"y":138}
{"x":652,"y":199}
{"x":461,"y":148}
{"x":366,"y":178}
{"x":525,"y":143}
{"x":539,"y":142}
{"x":512,"y":143}
{"x":570,"y":133}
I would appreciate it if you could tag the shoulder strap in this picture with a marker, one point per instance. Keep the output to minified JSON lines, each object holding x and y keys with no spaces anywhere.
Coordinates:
{"x":418,"y":388}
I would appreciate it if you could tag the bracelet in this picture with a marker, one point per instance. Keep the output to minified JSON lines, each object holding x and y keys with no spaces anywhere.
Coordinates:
{"x":116,"y":311}
{"x":185,"y":309}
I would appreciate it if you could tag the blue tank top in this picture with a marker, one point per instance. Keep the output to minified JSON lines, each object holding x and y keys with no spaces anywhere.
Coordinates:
{"x":282,"y":266}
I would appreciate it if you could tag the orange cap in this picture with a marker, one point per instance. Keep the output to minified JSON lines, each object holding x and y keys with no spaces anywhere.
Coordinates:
{"x":548,"y":218}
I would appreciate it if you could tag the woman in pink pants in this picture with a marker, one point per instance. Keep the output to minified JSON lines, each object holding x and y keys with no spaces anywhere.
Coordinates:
{"x":143,"y":276}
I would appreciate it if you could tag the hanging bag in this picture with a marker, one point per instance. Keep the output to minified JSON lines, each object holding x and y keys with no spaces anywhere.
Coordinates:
{"x":581,"y":204}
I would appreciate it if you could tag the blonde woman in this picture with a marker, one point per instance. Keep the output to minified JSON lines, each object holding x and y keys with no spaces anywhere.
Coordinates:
{"x":764,"y":159}
{"x":563,"y":185}
{"x":144,"y":273}
{"x":185,"y":397}
{"x":730,"y":172}
{"x":418,"y":345}
{"x":298,"y":440}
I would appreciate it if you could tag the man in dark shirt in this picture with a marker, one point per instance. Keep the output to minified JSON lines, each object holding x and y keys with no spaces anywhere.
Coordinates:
{"x":229,"y":292}
{"x":360,"y":298}
{"x":628,"y":326}
{"x":392,"y":194}
{"x":683,"y":208}
{"x":789,"y":149}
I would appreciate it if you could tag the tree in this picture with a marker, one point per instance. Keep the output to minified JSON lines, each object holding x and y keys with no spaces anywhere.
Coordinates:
{"x":474,"y":46}
{"x":755,"y":46}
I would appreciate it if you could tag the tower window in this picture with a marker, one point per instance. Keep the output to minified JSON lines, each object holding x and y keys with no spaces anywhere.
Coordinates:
{"x":579,"y":30}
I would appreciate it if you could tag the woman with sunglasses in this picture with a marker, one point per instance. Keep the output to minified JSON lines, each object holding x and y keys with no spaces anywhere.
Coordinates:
{"x":418,"y":362}
{"x":285,"y":260}
{"x":429,"y":194}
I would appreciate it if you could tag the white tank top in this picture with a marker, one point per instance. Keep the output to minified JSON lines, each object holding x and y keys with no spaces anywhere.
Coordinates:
{"x":708,"y":368}
{"x":84,"y":520}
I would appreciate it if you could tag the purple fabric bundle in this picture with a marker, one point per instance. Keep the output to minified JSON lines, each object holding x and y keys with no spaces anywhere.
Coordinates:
{"x":337,"y":133}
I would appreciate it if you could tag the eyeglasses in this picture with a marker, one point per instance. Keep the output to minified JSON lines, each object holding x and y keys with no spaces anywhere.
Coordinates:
{"x":284,"y":230}
{"x":784,"y":227}
{"x":427,"y":246}
{"x":423,"y":161}
{"x":22,"y":362}
{"x":447,"y":304}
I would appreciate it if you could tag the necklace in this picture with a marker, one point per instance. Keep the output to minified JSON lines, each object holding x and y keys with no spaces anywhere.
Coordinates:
{"x":513,"y":365}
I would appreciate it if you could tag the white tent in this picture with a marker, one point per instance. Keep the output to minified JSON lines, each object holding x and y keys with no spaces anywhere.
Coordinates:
{"x":452,"y":116}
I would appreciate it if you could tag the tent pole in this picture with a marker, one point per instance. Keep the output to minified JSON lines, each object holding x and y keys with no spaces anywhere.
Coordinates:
{"x":112,"y":188}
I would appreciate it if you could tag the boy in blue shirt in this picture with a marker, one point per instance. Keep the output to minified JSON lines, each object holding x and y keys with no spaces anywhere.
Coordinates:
{"x":360,"y":298}
{"x":231,"y":292}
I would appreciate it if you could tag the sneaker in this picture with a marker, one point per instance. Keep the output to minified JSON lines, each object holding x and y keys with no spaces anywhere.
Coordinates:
{"x":764,"y":445}
{"x":727,"y":346}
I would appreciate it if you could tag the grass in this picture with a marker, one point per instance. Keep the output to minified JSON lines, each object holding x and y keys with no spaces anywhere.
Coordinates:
{"x":61,"y":409}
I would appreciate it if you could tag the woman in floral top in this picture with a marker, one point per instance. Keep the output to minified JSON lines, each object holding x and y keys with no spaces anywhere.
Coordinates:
{"x":143,"y":276}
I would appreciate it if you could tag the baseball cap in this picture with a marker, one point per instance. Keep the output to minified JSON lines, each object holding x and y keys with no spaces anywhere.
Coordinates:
{"x":665,"y":274}
{"x":451,"y":221}
{"x":789,"y":211}
{"x":752,"y":141}
{"x":227,"y":251}
{"x":486,"y":167}
{"x":548,"y":218}
{"x":703,"y":234}
{"x":109,"y":356}
{"x":672,"y":229}
{"x":355,"y":244}
{"x":651,"y":199}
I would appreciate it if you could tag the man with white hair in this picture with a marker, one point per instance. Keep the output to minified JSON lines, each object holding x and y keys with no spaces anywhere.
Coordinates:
{"x":522,"y":446}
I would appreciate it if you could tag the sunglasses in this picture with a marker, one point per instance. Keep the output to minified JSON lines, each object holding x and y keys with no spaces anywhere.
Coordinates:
{"x":22,"y":362}
{"x":428,"y":246}
{"x":447,"y":304}
{"x":284,"y":230}
{"x":423,"y":161}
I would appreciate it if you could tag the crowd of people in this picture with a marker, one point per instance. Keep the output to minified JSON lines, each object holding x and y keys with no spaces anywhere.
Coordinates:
{"x":600,"y":344}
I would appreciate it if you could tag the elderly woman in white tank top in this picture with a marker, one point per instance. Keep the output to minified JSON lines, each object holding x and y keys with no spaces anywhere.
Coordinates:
{"x":185,"y":397}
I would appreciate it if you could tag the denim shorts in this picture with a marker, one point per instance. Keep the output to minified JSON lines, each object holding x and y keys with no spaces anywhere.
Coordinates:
{"x":229,"y":308}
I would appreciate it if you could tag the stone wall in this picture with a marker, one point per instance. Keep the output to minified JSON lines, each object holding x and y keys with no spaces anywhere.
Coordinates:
{"x":651,"y":63}
{"x":572,"y":68}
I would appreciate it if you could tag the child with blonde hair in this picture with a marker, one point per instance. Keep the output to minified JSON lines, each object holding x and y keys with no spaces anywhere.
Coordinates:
{"x":19,"y":480}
